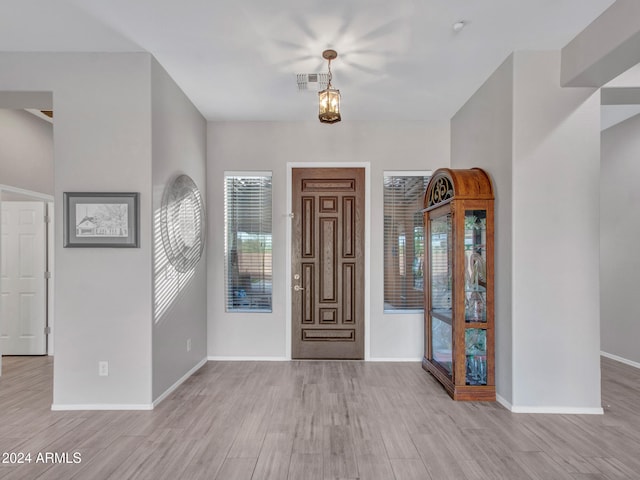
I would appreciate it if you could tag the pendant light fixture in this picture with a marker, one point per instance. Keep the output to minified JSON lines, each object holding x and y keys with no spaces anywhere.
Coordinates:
{"x":329,"y":98}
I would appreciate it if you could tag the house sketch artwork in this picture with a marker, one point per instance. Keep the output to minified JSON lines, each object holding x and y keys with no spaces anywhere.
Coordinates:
{"x":102,"y":220}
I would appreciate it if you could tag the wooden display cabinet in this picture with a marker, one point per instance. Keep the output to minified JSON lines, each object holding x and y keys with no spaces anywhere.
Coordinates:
{"x":459,"y":304}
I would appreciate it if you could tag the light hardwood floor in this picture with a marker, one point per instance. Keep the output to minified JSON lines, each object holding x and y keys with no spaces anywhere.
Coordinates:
{"x":317,"y":420}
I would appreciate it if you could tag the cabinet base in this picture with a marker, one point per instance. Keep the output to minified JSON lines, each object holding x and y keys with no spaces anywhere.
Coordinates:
{"x":468,"y":393}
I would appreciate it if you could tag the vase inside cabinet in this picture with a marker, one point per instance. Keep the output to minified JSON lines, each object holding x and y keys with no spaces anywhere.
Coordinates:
{"x":459,"y":302}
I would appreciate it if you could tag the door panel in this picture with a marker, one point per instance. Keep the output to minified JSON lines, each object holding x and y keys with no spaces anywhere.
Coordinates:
{"x":328,"y":263}
{"x":22,"y":282}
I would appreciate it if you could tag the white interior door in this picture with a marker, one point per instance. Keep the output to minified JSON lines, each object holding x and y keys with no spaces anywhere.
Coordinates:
{"x":22,"y":279}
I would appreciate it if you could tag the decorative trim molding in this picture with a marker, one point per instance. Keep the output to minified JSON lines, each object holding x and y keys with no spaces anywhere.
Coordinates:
{"x":56,"y":407}
{"x":440,"y":190}
{"x":247,"y":359}
{"x":620,"y":359}
{"x":169,"y":390}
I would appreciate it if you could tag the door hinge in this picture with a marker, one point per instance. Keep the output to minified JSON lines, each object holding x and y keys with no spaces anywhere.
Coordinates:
{"x":47,"y":219}
{"x":47,"y":330}
{"x":47,"y":275}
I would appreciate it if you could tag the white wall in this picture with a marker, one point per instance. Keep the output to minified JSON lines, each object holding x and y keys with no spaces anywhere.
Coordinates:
{"x":102,"y":142}
{"x":179,"y":147}
{"x":556,"y":227}
{"x":26,"y":155}
{"x":554,"y":224}
{"x":481,"y":136}
{"x":619,"y":234}
{"x":252,"y":146}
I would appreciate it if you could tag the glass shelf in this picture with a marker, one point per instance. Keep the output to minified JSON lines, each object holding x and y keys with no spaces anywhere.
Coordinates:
{"x":475,"y":288}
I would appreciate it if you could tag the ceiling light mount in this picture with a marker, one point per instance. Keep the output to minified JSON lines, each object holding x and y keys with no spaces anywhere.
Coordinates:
{"x":329,"y":54}
{"x":329,"y":98}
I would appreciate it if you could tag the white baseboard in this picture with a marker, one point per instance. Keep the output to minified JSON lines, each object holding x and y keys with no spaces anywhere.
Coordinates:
{"x":557,"y":410}
{"x":620,"y":359}
{"x":548,"y":410}
{"x":503,"y":401}
{"x":247,"y":359}
{"x":394,"y":359}
{"x":285,"y":359}
{"x":169,"y":390}
{"x":564,"y":410}
{"x":56,"y":407}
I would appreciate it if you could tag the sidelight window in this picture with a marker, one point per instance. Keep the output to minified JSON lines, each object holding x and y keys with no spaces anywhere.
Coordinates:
{"x":404,"y":241}
{"x":248,"y":244}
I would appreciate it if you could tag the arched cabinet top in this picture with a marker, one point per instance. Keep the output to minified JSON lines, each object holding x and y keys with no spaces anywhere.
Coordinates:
{"x":448,"y":184}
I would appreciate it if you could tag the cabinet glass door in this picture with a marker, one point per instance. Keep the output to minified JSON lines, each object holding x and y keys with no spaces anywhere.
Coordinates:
{"x":475,"y":250}
{"x":441,"y":269}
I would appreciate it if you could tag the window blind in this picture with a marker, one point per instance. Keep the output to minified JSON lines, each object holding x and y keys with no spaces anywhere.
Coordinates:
{"x":404,"y":241}
{"x":248,"y":245}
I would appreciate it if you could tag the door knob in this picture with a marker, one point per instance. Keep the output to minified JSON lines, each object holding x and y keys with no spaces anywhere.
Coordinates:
{"x":297,"y":288}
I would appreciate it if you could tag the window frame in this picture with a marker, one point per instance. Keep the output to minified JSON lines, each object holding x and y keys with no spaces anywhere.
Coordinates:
{"x":229,"y":301}
{"x":402,"y":173}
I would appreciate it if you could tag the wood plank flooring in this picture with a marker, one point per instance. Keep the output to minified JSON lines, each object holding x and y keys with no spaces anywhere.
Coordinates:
{"x":316,"y":421}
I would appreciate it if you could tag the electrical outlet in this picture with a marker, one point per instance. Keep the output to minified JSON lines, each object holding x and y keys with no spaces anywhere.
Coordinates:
{"x":103,"y":369}
{"x":188,"y":344}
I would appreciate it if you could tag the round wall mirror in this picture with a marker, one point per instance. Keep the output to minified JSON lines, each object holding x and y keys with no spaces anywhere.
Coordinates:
{"x":182,"y":223}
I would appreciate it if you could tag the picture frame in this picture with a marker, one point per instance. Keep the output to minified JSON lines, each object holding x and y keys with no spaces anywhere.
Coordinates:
{"x":101,"y":219}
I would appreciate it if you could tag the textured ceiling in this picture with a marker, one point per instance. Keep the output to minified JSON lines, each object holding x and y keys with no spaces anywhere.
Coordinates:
{"x":238,"y":60}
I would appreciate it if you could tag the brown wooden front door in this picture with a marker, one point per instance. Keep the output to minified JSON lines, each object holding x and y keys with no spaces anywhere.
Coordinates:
{"x":328,"y":263}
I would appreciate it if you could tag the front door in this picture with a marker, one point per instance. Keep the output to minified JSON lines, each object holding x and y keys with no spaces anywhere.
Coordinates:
{"x":22,"y":279}
{"x":328,"y":263}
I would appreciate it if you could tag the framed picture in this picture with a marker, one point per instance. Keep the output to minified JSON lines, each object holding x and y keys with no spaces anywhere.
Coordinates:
{"x":101,"y":219}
